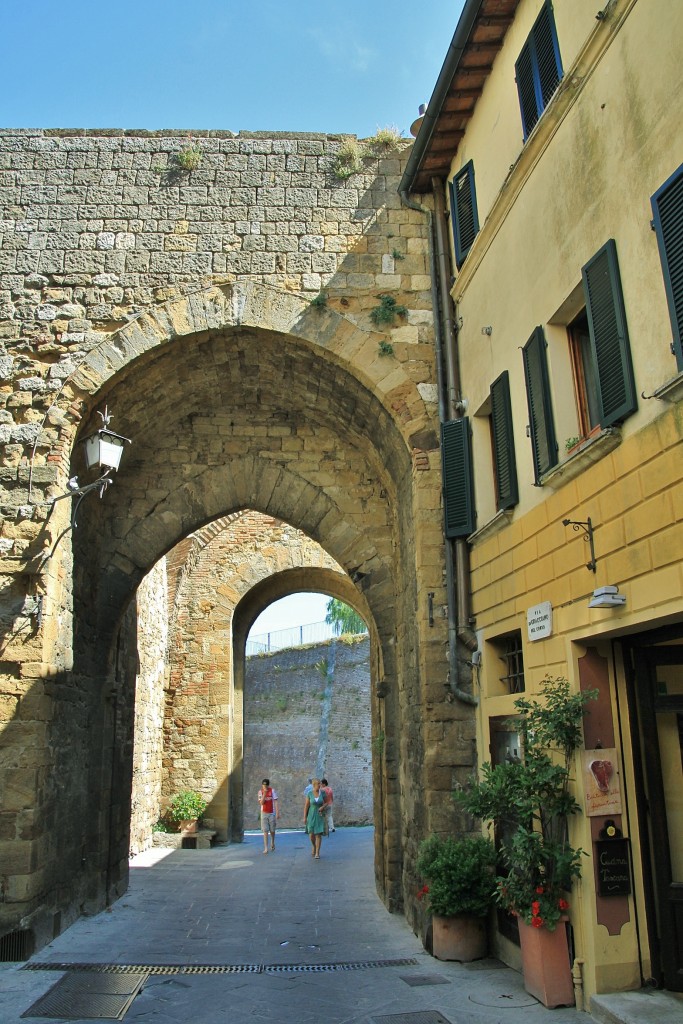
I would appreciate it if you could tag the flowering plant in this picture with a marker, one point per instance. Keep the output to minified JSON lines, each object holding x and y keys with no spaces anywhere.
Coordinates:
{"x":528,"y":801}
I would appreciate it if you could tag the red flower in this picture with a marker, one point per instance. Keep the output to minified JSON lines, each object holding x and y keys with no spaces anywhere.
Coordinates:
{"x":423,"y":891}
{"x":540,"y":890}
{"x":537,"y":922}
{"x":562,"y":904}
{"x":535,"y":908}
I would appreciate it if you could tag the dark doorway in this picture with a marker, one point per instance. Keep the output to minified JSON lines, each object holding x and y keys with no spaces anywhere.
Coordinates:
{"x":654,"y":666}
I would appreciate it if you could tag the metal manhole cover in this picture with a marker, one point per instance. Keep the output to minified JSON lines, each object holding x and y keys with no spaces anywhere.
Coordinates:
{"x":424,"y":979}
{"x":420,"y":1017}
{"x":88,"y":995}
{"x":505,"y":1000}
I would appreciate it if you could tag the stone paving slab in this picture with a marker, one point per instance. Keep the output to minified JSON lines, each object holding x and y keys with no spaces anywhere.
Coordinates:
{"x":232,"y":906}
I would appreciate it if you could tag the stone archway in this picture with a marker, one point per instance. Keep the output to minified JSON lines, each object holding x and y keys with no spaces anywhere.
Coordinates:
{"x":243,"y":397}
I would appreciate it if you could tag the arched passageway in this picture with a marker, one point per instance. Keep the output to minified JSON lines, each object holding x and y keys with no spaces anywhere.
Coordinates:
{"x":242,"y":415}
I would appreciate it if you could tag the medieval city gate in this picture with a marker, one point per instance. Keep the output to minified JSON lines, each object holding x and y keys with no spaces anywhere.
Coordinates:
{"x":182,"y":302}
{"x":234,"y":398}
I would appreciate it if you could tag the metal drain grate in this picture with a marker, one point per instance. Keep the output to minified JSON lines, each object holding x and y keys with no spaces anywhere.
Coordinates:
{"x":419,"y":1017}
{"x":81,"y":995}
{"x":148,"y":969}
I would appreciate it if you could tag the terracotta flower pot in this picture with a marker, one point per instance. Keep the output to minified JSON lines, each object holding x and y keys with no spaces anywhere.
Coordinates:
{"x":462,"y":937}
{"x":545,"y":963}
{"x":188,"y":825}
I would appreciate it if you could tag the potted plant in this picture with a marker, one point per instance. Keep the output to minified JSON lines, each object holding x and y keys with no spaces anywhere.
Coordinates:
{"x":459,"y":892}
{"x":186,"y":808}
{"x":529,"y":803}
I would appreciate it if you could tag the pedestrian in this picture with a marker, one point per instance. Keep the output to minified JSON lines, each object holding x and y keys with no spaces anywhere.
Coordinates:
{"x":270,"y":812}
{"x":329,"y":800}
{"x":314,"y":818}
{"x":309,"y":787}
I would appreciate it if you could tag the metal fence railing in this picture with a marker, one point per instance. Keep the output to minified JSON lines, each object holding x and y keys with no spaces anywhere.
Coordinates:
{"x":295,"y":636}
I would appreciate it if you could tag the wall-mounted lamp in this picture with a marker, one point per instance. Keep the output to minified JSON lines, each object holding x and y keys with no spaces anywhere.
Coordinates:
{"x":103,"y":450}
{"x":607,"y":597}
{"x":587,"y":528}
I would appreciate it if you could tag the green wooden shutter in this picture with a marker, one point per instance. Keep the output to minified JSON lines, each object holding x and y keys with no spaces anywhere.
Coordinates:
{"x":507,"y":493}
{"x":541,"y":427}
{"x":538,"y":70}
{"x":456,"y":460}
{"x":464,"y":212}
{"x":609,"y":336}
{"x":667,"y":206}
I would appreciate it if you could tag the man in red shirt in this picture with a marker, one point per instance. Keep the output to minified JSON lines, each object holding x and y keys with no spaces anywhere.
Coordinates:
{"x":270,"y":812}
{"x":327,"y":806}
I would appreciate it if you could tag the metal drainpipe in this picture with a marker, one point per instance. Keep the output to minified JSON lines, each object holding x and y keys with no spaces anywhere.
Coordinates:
{"x":446,"y":391}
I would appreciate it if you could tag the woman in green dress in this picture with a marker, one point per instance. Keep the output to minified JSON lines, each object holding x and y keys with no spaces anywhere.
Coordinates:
{"x":314,"y":818}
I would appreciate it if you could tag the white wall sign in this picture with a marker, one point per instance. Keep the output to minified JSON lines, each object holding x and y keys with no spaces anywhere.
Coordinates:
{"x":539,"y":621}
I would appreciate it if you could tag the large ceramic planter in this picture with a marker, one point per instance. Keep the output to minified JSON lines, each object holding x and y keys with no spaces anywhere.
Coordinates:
{"x":461,"y":937}
{"x":545,"y":963}
{"x":188,"y":826}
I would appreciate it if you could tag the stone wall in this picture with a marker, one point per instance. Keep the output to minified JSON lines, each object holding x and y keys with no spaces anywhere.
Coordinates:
{"x":307,"y":713}
{"x":182,"y":300}
{"x":150,"y":692}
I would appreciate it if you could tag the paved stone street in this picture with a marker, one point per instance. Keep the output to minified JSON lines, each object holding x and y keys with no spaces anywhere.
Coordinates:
{"x":231,"y":906}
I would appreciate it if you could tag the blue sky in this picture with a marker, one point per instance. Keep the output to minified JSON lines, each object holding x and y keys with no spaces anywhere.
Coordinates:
{"x":300,"y":65}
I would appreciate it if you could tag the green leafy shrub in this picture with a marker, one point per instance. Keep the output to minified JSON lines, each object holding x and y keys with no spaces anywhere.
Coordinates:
{"x":187,"y":805}
{"x":529,"y":803}
{"x":189,"y":156}
{"x":459,"y":875}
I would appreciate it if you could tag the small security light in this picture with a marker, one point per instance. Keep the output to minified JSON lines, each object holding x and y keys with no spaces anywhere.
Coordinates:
{"x":607,"y":597}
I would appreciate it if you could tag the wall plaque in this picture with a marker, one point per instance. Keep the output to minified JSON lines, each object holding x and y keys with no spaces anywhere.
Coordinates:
{"x":539,"y":621}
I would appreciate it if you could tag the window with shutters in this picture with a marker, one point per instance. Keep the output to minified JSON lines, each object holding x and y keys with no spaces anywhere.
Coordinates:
{"x":538,"y":70}
{"x":667,"y":207}
{"x":456,"y":459}
{"x":541,"y":425}
{"x":464,"y":215}
{"x":503,"y":444}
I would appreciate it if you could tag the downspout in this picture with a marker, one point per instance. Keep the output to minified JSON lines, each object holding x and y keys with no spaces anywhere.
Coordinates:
{"x":448,"y":398}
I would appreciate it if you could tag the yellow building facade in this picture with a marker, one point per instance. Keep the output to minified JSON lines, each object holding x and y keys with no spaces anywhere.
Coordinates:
{"x":554,"y":142}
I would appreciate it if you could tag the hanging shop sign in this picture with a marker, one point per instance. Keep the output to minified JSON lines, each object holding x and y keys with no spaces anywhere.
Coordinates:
{"x":602,"y":781}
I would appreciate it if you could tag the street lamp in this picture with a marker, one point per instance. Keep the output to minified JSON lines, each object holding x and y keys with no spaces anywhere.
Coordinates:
{"x":103,"y":450}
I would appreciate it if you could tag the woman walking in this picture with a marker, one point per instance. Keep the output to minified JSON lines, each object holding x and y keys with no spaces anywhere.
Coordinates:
{"x":314,"y":818}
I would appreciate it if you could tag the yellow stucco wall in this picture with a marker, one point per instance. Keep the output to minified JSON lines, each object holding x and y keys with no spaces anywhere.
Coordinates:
{"x":609,"y":138}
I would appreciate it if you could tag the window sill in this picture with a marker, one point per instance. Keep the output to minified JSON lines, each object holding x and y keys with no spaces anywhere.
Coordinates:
{"x":495,"y":525}
{"x":672,"y":391}
{"x":588,"y":452}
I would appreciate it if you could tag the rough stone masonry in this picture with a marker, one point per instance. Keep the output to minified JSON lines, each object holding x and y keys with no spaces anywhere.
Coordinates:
{"x":181,"y":297}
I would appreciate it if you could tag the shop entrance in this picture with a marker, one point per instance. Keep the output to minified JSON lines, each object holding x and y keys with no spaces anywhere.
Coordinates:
{"x":655,"y":679}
